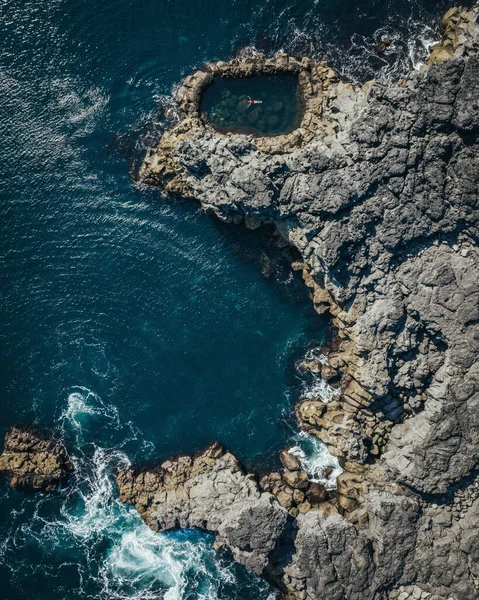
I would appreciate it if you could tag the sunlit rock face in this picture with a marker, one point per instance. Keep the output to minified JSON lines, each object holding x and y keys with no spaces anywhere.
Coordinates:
{"x":377,"y":189}
{"x":33,"y":461}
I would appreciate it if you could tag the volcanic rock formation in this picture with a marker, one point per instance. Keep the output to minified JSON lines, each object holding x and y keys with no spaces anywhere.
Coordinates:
{"x":32,"y":460}
{"x":378,"y":191}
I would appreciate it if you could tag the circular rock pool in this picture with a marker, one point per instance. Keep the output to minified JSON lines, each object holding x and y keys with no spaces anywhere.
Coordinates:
{"x":260,"y":105}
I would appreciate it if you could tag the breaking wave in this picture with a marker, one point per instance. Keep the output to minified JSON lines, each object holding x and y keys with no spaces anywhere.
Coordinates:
{"x":316,"y":459}
{"x":104,"y":545}
{"x":312,"y":384}
{"x":319,"y":388}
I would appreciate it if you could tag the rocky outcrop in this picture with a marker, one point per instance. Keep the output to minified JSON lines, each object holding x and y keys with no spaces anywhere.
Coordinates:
{"x":319,"y":85}
{"x":381,"y":204}
{"x":379,"y":194}
{"x":458,"y":35}
{"x":33,"y":461}
{"x":313,"y":552}
{"x":212,"y":492}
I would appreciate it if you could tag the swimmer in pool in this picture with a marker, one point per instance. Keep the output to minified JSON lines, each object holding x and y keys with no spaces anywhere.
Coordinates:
{"x":251,"y":101}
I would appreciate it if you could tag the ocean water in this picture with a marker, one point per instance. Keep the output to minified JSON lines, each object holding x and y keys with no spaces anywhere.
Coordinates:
{"x":262,"y":105}
{"x":132,"y":326}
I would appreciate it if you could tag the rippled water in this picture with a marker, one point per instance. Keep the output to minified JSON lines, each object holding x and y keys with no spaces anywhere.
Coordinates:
{"x":133,"y":326}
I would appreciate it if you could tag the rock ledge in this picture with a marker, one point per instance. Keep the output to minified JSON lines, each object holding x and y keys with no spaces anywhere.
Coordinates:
{"x":33,"y":461}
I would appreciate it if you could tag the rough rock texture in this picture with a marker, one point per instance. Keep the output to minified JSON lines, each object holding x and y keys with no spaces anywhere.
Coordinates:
{"x":211,"y":492}
{"x":32,"y":460}
{"x":396,"y":537}
{"x":379,"y":194}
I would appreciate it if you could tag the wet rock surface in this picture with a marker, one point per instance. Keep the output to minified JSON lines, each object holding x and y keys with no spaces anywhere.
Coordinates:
{"x":378,"y":190}
{"x":32,"y":460}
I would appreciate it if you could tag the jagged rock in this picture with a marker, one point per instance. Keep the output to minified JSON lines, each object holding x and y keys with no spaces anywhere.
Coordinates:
{"x":312,"y":365}
{"x":289,"y":461}
{"x":331,"y":560}
{"x":378,"y":192}
{"x":328,"y":373}
{"x":335,"y":427}
{"x":32,"y":460}
{"x":212,"y":492}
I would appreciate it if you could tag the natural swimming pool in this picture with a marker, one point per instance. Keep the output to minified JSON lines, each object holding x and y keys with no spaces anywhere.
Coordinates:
{"x":277,"y":108}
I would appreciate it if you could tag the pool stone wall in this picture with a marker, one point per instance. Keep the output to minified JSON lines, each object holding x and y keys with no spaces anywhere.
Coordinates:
{"x":310,"y":83}
{"x":322,"y":91}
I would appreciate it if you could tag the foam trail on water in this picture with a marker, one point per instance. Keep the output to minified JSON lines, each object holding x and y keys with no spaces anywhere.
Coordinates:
{"x":316,"y":459}
{"x":420,"y":48}
{"x":84,"y":403}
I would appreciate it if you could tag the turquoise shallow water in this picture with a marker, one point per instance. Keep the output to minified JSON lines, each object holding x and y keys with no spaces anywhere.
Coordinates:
{"x":132,"y":326}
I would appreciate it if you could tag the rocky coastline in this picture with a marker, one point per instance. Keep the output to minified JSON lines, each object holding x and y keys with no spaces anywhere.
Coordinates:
{"x":378,"y":192}
{"x":33,"y":460}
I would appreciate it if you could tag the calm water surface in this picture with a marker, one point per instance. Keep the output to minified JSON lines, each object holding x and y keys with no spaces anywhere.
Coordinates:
{"x":261,"y":105}
{"x":132,"y":326}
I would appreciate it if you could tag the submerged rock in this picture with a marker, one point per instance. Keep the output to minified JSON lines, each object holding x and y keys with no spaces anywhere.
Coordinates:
{"x":33,"y":461}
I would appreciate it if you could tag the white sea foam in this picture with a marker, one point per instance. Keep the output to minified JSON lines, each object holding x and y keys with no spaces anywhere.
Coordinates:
{"x":83,"y":403}
{"x":410,"y":38}
{"x":420,"y":47}
{"x":313,"y":385}
{"x":315,"y":458}
{"x":105,"y":546}
{"x":316,"y":354}
{"x":319,"y":388}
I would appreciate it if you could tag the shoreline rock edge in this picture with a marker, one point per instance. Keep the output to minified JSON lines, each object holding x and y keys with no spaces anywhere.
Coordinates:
{"x":378,"y":191}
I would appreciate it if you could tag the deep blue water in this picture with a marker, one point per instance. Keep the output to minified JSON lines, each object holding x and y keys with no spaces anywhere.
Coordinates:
{"x":133,"y":326}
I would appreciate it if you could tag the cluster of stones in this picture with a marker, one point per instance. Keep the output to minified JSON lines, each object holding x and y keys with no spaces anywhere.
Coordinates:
{"x":456,"y":32}
{"x":371,"y":423}
{"x":32,"y":460}
{"x":329,"y":366}
{"x":464,"y":499}
{"x":413,"y":592}
{"x":210,"y":491}
{"x":293,"y":490}
{"x":457,"y":501}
